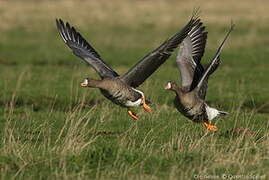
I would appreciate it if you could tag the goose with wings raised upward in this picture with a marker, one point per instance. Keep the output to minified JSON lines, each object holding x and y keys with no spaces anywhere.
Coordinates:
{"x":190,"y":97}
{"x":120,"y":89}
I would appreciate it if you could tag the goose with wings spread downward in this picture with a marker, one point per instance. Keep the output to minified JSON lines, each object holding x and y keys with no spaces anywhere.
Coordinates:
{"x":190,"y":97}
{"x":121,"y":89}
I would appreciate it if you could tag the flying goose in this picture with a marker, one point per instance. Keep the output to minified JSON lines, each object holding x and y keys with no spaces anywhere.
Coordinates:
{"x":121,"y":89}
{"x":190,"y":97}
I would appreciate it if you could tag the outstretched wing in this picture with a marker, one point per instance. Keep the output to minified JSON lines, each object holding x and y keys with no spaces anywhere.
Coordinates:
{"x":214,"y":63}
{"x":83,"y":49}
{"x":150,"y":63}
{"x":189,"y":57}
{"x":202,"y":91}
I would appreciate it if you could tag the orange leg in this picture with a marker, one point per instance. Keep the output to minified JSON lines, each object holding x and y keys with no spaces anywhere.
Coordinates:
{"x":145,"y":106}
{"x":210,"y":126}
{"x":132,"y":114}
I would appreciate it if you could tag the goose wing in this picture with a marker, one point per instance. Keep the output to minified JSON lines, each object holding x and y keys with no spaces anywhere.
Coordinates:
{"x":214,"y":63}
{"x":189,"y":57}
{"x":83,"y":49}
{"x":150,"y":63}
{"x":202,"y":91}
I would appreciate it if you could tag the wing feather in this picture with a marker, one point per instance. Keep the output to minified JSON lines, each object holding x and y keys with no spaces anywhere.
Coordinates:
{"x":150,"y":63}
{"x":189,"y":56}
{"x":83,"y":49}
{"x":215,"y":62}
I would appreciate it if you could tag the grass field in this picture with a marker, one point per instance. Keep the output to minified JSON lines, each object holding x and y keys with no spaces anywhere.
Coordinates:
{"x":53,"y":129}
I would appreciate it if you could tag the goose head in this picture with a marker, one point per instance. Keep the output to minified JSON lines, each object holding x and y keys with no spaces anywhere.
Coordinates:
{"x":174,"y":88}
{"x":171,"y":86}
{"x":88,"y":82}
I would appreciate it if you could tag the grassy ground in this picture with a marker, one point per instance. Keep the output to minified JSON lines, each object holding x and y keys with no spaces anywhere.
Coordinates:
{"x":51,"y":128}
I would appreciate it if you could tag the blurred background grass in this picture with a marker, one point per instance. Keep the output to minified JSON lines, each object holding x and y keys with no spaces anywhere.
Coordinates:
{"x":52,"y":128}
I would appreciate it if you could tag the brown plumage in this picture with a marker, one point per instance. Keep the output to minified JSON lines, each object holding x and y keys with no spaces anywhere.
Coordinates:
{"x":114,"y":89}
{"x":121,"y":89}
{"x":190,"y":97}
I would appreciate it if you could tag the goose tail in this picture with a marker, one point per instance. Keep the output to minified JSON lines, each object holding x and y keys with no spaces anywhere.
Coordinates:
{"x":224,"y":114}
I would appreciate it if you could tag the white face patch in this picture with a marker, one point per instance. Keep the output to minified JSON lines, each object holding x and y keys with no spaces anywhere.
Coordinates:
{"x":168,"y":85}
{"x":86,"y":81}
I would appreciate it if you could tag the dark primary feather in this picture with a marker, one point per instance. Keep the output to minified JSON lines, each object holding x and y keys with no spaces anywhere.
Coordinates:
{"x":150,"y":63}
{"x":215,"y":62}
{"x":198,"y":38}
{"x":189,"y":56}
{"x":203,"y":89}
{"x":83,"y":49}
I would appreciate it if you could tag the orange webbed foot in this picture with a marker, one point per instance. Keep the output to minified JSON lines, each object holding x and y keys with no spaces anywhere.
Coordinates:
{"x":145,"y":106}
{"x":210,"y":127}
{"x":132,"y":114}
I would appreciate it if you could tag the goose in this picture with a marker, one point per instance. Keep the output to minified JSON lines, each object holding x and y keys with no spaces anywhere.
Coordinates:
{"x":121,"y":89}
{"x":190,"y":97}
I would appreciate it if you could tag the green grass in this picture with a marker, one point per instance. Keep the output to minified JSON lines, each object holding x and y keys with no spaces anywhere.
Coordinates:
{"x":53,"y":129}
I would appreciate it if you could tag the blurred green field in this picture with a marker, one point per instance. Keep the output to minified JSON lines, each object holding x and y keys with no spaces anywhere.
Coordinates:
{"x":53,"y":129}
